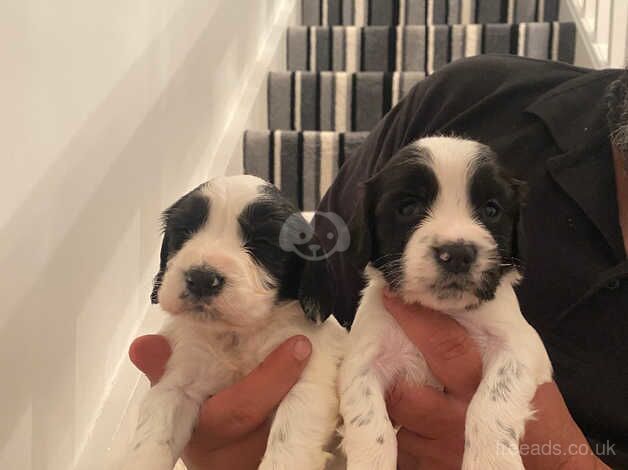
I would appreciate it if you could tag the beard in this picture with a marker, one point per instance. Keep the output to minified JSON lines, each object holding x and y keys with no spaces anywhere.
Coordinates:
{"x":617,"y":105}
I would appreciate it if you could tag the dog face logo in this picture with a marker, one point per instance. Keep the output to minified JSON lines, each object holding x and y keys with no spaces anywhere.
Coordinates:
{"x":299,"y":237}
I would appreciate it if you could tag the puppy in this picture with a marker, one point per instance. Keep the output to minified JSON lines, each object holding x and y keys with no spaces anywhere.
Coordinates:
{"x":235,"y":294}
{"x":438,"y":226}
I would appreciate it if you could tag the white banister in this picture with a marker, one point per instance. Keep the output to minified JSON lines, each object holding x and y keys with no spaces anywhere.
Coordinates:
{"x":602,"y":26}
{"x":602,"y":31}
{"x":590,"y":7}
{"x":618,"y":42}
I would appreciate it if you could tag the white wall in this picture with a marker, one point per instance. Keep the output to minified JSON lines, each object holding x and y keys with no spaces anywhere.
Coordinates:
{"x":108,"y":112}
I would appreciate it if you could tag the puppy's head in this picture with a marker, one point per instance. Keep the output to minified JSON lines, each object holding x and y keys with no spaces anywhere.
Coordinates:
{"x":222,"y":259}
{"x":440,"y":223}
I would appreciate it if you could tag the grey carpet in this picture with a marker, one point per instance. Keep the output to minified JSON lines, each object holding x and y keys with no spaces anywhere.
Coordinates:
{"x":352,"y":60}
{"x":412,"y":12}
{"x":334,"y":101}
{"x":301,"y":164}
{"x":422,"y":48}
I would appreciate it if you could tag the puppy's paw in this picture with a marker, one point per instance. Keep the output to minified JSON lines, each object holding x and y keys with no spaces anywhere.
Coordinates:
{"x":381,"y":454}
{"x":381,"y":462}
{"x":149,"y":457}
{"x":295,"y":460}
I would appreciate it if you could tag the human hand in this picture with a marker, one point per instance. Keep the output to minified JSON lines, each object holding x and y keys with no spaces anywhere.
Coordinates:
{"x":233,"y":425}
{"x":432,"y":422}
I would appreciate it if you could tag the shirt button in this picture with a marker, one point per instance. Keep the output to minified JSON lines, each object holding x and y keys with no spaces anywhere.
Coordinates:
{"x":614,"y":284}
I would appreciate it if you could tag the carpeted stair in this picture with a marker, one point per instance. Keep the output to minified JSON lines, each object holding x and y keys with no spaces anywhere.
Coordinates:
{"x":355,"y":59}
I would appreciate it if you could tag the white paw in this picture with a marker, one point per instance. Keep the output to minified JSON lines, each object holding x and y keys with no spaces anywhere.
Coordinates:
{"x":149,"y":457}
{"x":388,"y":462}
{"x":381,"y":454}
{"x":300,"y":460}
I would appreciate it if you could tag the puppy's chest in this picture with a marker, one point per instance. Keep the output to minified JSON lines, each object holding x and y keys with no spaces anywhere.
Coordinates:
{"x":237,"y":352}
{"x":396,"y":358}
{"x":223,"y":355}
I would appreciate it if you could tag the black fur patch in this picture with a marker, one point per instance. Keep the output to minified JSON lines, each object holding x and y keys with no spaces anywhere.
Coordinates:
{"x":380,"y":229}
{"x":262,"y":223}
{"x":489,"y":182}
{"x":180,"y":222}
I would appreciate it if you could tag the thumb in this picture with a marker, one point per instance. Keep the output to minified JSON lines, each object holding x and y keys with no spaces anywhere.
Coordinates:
{"x":150,"y":354}
{"x":243,"y":407}
{"x":449,"y":351}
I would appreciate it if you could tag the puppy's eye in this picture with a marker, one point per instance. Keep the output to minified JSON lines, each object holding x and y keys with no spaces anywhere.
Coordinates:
{"x":410,"y":207}
{"x":492,"y":210}
{"x":330,"y":236}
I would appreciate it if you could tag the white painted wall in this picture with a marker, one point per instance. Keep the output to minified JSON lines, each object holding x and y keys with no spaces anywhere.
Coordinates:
{"x":108,"y":112}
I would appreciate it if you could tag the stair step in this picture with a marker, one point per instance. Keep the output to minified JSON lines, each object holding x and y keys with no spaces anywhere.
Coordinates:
{"x":400,"y":12}
{"x":334,"y":101}
{"x":422,"y":48}
{"x":301,"y":164}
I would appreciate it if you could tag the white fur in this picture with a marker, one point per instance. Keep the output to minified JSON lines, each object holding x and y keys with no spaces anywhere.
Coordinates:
{"x":217,"y":345}
{"x":514,"y":359}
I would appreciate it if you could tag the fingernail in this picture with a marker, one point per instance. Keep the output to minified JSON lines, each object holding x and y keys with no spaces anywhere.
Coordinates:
{"x":301,"y":349}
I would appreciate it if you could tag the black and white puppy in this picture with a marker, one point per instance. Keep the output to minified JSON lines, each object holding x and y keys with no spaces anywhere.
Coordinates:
{"x":235,"y":294}
{"x":438,"y":225}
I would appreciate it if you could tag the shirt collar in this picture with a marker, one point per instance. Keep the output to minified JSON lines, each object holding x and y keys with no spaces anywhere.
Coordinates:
{"x":575,"y":115}
{"x":574,"y":111}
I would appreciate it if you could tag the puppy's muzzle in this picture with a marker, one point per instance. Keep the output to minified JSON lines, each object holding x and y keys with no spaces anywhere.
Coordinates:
{"x":456,"y":258}
{"x":203,"y":282}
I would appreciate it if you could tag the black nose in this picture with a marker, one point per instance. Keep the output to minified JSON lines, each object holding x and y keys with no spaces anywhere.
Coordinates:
{"x":203,"y":282}
{"x":456,"y":258}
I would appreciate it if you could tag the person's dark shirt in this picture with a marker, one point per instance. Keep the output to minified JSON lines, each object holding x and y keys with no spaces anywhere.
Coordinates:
{"x":547,"y":123}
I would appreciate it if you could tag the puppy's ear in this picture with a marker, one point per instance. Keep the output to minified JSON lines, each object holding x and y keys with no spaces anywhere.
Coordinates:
{"x":163,"y":260}
{"x":316,"y":290}
{"x":520,"y":189}
{"x":361,"y":249}
{"x":307,"y":277}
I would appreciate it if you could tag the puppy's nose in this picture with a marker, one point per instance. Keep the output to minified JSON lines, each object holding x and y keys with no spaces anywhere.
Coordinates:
{"x":204,"y":282}
{"x":314,"y":248}
{"x":456,"y":258}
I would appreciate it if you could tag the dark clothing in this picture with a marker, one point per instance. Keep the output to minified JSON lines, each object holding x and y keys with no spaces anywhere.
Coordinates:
{"x":547,"y":122}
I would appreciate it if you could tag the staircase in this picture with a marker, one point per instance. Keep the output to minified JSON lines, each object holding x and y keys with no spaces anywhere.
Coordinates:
{"x":353,"y":60}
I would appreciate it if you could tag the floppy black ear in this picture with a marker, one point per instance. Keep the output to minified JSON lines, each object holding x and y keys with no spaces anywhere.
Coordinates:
{"x":520,"y":189}
{"x":361,"y":249}
{"x":306,"y":276}
{"x":316,"y":292}
{"x":164,"y":254}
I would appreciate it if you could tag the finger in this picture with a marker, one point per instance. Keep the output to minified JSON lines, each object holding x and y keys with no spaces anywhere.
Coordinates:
{"x":449,"y":351}
{"x":244,"y":406}
{"x":425,"y":410}
{"x":407,"y":461}
{"x":418,"y":447}
{"x":242,"y":454}
{"x":150,"y":354}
